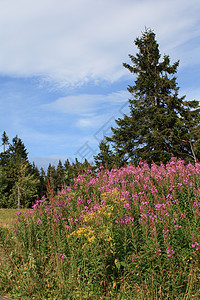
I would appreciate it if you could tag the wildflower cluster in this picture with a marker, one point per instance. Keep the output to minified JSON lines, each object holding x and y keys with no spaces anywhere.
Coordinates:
{"x":130,"y":229}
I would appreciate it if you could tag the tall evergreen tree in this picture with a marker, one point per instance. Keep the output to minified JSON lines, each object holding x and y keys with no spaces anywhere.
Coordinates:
{"x":60,"y":175}
{"x":5,"y":140}
{"x":51,"y":175}
{"x":160,"y":123}
{"x":43,"y":183}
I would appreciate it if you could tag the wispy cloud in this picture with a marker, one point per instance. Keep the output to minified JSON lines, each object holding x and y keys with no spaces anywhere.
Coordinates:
{"x":85,"y":104}
{"x":75,"y":41}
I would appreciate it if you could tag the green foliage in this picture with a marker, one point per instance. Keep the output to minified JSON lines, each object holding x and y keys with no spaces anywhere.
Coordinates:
{"x":106,"y":157}
{"x":62,"y":175}
{"x":160,"y":123}
{"x":3,"y":186}
{"x":19,"y":179}
{"x":5,"y":140}
{"x":130,"y":233}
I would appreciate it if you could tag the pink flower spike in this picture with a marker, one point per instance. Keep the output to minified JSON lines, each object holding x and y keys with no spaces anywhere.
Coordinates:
{"x":18,"y":213}
{"x":61,"y":257}
{"x":196,"y":246}
{"x":157,"y":251}
{"x":170,"y":251}
{"x":39,"y":222}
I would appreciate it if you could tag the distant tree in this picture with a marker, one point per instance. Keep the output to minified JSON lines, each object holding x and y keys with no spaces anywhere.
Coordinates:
{"x":19,"y":176}
{"x":160,"y":123}
{"x":68,"y":173}
{"x":5,"y":140}
{"x":43,"y":183}
{"x":60,"y":175}
{"x":106,"y":157}
{"x":41,"y":191}
{"x":18,"y":150}
{"x":11,"y":160}
{"x":25,"y":188}
{"x":73,"y":169}
{"x":51,"y":176}
{"x":3,"y":187}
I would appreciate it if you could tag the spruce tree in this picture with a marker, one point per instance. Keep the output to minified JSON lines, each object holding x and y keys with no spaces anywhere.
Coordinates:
{"x":5,"y":140}
{"x":106,"y":157}
{"x":160,"y":123}
{"x":60,"y":175}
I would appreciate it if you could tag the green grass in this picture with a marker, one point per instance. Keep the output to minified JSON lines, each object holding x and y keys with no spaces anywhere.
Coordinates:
{"x":7,"y":217}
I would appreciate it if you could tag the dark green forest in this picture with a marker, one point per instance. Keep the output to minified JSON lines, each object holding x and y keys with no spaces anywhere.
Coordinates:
{"x":21,"y":182}
{"x":160,"y":125}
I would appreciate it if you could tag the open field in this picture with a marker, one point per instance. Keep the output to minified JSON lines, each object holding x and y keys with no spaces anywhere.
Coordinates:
{"x":130,"y":233}
{"x":7,"y":217}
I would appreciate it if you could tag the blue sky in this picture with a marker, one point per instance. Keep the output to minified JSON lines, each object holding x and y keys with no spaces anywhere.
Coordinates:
{"x":62,"y":83}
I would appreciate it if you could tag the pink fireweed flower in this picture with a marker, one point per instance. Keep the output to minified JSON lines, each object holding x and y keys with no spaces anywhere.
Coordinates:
{"x":134,"y":258}
{"x":183,"y":215}
{"x":63,"y":191}
{"x":26,"y":213}
{"x":177,"y":226}
{"x":18,"y":213}
{"x":39,"y":222}
{"x":152,"y":217}
{"x":196,"y":204}
{"x":169,"y":197}
{"x":170,"y":251}
{"x":153,"y":231}
{"x":68,"y":227}
{"x":176,"y":201}
{"x":79,"y":200}
{"x":157,"y":251}
{"x":166,"y":234}
{"x":195,"y":245}
{"x":128,"y":220}
{"x":154,"y":190}
{"x":60,"y":257}
{"x":126,"y":205}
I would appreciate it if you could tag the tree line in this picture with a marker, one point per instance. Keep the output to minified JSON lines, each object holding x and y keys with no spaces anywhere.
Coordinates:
{"x":21,"y":182}
{"x":160,"y":125}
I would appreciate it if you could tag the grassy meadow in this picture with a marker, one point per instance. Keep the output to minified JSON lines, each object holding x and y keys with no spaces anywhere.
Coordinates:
{"x":130,"y":233}
{"x":8,"y":216}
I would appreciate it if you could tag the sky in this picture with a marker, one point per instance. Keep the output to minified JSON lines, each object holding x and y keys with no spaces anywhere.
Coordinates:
{"x":62,"y":80}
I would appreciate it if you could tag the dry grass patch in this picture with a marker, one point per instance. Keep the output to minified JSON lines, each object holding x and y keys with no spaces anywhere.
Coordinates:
{"x":8,"y":216}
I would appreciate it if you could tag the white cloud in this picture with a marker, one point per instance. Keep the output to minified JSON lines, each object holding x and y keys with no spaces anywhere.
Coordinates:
{"x":86,"y":105}
{"x":72,"y":42}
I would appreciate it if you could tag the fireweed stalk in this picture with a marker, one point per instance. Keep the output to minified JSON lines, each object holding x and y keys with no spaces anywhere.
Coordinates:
{"x":124,"y":232}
